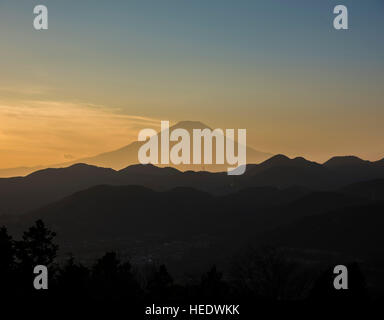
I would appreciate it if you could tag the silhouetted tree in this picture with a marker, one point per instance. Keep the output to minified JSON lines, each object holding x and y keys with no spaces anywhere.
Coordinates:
{"x":113,"y":279}
{"x":7,"y":264}
{"x":7,"y":252}
{"x":212,"y":286}
{"x":73,"y":281}
{"x":160,"y":283}
{"x":36,"y":246}
{"x":324,"y":291}
{"x":264,"y":272}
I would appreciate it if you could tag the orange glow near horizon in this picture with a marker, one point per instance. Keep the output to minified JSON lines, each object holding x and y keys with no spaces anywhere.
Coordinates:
{"x":279,"y":70}
{"x":38,"y":132}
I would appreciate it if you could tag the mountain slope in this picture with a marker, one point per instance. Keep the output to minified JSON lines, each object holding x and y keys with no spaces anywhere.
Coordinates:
{"x":353,"y":230}
{"x":352,"y":169}
{"x":128,"y":155}
{"x":131,"y":216}
{"x":21,"y":194}
{"x":18,"y":195}
{"x":372,"y":190}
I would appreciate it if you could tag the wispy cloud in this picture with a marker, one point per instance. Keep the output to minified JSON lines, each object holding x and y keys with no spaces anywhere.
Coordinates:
{"x":44,"y":131}
{"x":24,"y":91}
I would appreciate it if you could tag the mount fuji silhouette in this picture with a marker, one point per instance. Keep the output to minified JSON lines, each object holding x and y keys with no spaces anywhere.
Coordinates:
{"x":128,"y":155}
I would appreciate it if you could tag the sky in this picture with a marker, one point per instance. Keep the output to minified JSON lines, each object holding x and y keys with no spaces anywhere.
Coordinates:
{"x":106,"y":69}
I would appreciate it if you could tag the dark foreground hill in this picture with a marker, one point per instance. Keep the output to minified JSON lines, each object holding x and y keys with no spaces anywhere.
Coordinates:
{"x":355,"y":230}
{"x":138,"y":220}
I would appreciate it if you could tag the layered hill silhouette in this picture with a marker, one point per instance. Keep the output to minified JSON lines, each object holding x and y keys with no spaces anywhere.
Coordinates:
{"x":107,"y":216}
{"x":354,"y":230}
{"x":195,"y":216}
{"x":147,"y":210}
{"x":128,"y":155}
{"x":21,"y":194}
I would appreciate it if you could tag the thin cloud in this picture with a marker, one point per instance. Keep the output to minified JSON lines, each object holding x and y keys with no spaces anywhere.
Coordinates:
{"x":28,"y":90}
{"x":43,"y":130}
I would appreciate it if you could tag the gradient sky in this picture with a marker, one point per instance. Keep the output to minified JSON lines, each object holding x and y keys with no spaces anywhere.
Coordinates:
{"x":106,"y":69}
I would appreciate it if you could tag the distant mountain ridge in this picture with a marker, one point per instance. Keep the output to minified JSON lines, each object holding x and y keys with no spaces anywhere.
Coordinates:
{"x":21,"y":194}
{"x":293,"y":217}
{"x":294,"y":203}
{"x":355,"y":230}
{"x":128,"y":155}
{"x":346,"y":161}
